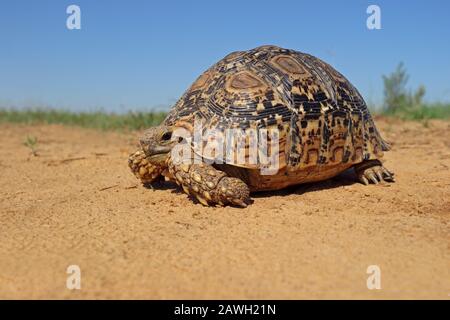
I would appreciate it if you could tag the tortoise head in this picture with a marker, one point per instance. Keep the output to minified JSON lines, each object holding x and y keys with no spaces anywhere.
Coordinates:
{"x":157,"y":143}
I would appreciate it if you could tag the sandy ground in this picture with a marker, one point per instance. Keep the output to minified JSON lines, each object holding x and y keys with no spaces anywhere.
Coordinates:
{"x":76,"y":203}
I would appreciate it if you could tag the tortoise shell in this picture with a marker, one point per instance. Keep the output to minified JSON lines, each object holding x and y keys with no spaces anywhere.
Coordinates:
{"x":322,"y":119}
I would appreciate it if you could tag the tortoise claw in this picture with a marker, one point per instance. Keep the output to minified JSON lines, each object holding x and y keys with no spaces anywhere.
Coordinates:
{"x":202,"y":201}
{"x":239,"y":203}
{"x":364,"y":180}
{"x":379,"y":176}
{"x":387,"y":175}
{"x":372,"y":178}
{"x":372,"y":171}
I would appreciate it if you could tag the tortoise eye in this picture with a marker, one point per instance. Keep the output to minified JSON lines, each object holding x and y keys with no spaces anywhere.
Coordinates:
{"x":166,"y":136}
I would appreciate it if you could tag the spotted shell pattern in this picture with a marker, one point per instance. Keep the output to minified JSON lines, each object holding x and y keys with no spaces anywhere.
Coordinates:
{"x":321,"y":117}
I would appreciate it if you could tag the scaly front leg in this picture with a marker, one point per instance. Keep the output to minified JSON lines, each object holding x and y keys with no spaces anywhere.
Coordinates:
{"x":209,"y":185}
{"x":143,"y":169}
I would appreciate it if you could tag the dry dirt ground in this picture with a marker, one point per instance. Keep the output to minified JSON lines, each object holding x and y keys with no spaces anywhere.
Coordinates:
{"x":76,"y":203}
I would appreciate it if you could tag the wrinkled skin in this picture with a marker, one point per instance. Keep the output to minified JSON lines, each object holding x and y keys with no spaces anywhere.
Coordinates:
{"x":202,"y":181}
{"x":149,"y":162}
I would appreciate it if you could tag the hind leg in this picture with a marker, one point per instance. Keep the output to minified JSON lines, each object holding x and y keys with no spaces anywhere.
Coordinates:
{"x":372,"y":171}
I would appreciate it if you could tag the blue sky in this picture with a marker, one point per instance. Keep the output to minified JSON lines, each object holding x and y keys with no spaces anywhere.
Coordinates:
{"x":144,"y":54}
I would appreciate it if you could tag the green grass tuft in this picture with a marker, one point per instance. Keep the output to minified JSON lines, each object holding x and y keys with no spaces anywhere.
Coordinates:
{"x":422,"y":112}
{"x":31,"y":142}
{"x":97,"y":120}
{"x":404,"y":103}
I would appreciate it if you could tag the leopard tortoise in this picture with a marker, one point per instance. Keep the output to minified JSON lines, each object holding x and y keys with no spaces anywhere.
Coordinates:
{"x":324,"y":127}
